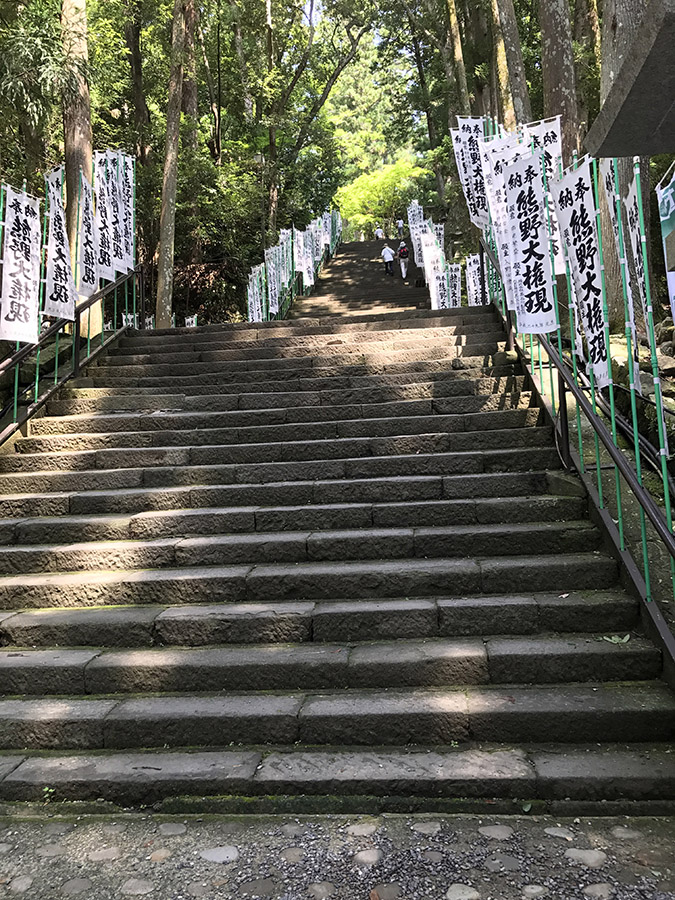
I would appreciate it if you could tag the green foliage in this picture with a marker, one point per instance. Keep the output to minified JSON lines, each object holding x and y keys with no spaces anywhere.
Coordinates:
{"x":380,"y":197}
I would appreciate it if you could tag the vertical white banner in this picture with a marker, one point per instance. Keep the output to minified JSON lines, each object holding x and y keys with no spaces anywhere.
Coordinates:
{"x":455,"y":286}
{"x":126,"y":170}
{"x":532,"y":277}
{"x":87,"y":249}
{"x":59,"y":296}
{"x":666,"y":198}
{"x":545,"y":137}
{"x":103,"y":216}
{"x":575,"y":204}
{"x":472,"y":131}
{"x":473,"y":289}
{"x":117,"y":220}
{"x":20,"y":268}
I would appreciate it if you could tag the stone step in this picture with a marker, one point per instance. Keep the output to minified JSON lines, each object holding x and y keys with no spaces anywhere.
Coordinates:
{"x":540,"y":659}
{"x":445,"y":414}
{"x":382,"y":386}
{"x":244,"y":372}
{"x":298,"y":406}
{"x":439,"y":542}
{"x":353,"y":480}
{"x":193,"y":522}
{"x":309,"y":580}
{"x":283,"y":348}
{"x":603,"y":612}
{"x":393,"y":437}
{"x":617,"y":773}
{"x":246,"y":360}
{"x":309,"y":336}
{"x":589,"y":712}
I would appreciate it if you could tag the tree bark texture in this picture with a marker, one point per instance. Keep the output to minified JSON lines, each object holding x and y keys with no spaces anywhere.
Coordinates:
{"x":620,"y":21}
{"x":132,"y":37}
{"x":458,"y":57}
{"x":167,"y":220}
{"x":216,"y":140}
{"x":586,"y":32}
{"x":559,"y":76}
{"x":500,"y":70}
{"x":514,"y":60}
{"x":426,"y":105}
{"x":76,"y":110}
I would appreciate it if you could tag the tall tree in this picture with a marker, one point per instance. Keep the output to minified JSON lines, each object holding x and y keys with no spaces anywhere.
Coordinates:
{"x":514,"y":60}
{"x":559,"y":76}
{"x":167,"y":219}
{"x":586,"y":32}
{"x":458,"y":54}
{"x":501,"y":82}
{"x":189,"y":96}
{"x":76,"y":109}
{"x":132,"y":36}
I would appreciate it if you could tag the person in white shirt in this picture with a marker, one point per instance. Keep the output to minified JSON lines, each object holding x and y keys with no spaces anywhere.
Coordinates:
{"x":379,"y":234}
{"x":399,"y":225}
{"x":403,"y":258}
{"x":388,"y":257}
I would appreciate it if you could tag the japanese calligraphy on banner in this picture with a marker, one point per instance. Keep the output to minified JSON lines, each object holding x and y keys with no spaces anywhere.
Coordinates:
{"x":545,"y":136}
{"x":573,"y":196}
{"x":472,"y":130}
{"x":532,"y":277}
{"x":495,"y":154}
{"x":326,"y":229}
{"x":256,"y":287}
{"x":473,"y":286}
{"x":273,"y":280}
{"x":666,"y":198}
{"x":102,"y":182}
{"x":435,"y":270}
{"x":455,"y":286}
{"x":59,"y":295}
{"x":117,"y":215}
{"x":21,"y":268}
{"x":608,"y":177}
{"x":126,"y":180}
{"x":87,"y":250}
{"x":439,"y":231}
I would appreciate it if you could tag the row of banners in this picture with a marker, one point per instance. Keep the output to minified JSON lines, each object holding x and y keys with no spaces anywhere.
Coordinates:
{"x":33,"y":270}
{"x":444,"y":280}
{"x":296,"y":252}
{"x":544,"y":221}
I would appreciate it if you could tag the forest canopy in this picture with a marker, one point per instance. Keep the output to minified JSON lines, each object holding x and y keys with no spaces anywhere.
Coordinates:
{"x":260,"y":115}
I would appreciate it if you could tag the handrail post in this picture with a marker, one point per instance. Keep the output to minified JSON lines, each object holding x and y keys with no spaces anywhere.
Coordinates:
{"x":565,"y":453}
{"x":481,"y":258}
{"x":76,"y":344}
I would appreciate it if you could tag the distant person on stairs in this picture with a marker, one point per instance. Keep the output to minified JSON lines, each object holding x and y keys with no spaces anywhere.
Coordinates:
{"x":399,"y":225}
{"x":403,"y":259}
{"x":379,"y":234}
{"x":388,"y":257}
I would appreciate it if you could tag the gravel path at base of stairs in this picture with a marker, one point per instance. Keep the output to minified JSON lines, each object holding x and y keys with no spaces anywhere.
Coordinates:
{"x":388,"y":857}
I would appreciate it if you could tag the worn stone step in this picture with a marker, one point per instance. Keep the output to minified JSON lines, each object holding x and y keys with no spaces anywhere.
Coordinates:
{"x":451,"y":414}
{"x":627,"y":712}
{"x":614,"y":772}
{"x":310,"y":580}
{"x":304,"y":546}
{"x":298,"y":406}
{"x":212,"y":447}
{"x":602,"y":612}
{"x":436,"y":662}
{"x":192,"y":522}
{"x":221,"y":374}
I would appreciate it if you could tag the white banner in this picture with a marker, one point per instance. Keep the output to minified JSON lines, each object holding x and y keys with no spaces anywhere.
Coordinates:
{"x":87,"y":250}
{"x":273,"y":285}
{"x":472,"y":131}
{"x":256,"y":281}
{"x":455,"y":286}
{"x":59,"y":296}
{"x":473,"y":289}
{"x":20,"y":268}
{"x":495,"y":154}
{"x":117,"y":221}
{"x":607,"y":173}
{"x":126,"y":173}
{"x":666,"y":198}
{"x":104,"y":214}
{"x":545,"y":136}
{"x":532,"y":277}
{"x":575,"y":204}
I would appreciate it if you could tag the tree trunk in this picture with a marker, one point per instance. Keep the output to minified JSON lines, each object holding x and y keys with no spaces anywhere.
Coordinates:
{"x":458,"y":55}
{"x":514,"y":60}
{"x":586,"y":30}
{"x":557,"y":63}
{"x":426,"y":105}
{"x":216,"y":141}
{"x":620,"y":21}
{"x":76,"y":111}
{"x":189,"y":98}
{"x":501,"y":81}
{"x":167,"y":219}
{"x":132,"y":36}
{"x":241,"y":59}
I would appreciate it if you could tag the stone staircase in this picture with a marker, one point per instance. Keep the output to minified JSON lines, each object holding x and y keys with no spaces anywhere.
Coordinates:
{"x":319,"y":564}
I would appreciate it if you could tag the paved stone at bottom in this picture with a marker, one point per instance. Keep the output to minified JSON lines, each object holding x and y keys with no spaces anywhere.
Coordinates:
{"x":385,"y":857}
